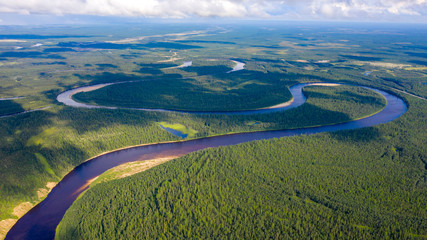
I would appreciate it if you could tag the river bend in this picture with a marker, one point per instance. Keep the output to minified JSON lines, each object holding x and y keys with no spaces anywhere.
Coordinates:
{"x":41,"y":221}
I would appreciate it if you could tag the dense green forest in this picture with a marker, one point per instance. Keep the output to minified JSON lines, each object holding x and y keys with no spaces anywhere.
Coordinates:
{"x":67,"y":136}
{"x":9,"y":107}
{"x":221,"y":92}
{"x":361,"y":184}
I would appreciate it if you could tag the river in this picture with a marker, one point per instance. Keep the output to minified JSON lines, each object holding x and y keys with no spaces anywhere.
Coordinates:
{"x":41,"y":221}
{"x":239,"y":66}
{"x":296,"y":91}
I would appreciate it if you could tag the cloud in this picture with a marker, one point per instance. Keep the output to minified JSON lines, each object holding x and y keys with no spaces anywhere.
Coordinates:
{"x":369,"y":9}
{"x":311,"y":9}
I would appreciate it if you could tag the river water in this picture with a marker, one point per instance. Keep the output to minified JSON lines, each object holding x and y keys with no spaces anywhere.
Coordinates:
{"x":41,"y":221}
{"x":239,"y":66}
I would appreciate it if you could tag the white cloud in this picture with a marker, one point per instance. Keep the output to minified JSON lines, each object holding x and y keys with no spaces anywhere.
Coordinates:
{"x":368,"y":8}
{"x":329,"y":9}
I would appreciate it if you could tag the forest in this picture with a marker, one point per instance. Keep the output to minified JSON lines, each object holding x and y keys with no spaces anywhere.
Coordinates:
{"x":8,"y":107}
{"x":206,"y":93}
{"x":66,"y":136}
{"x":360,"y":184}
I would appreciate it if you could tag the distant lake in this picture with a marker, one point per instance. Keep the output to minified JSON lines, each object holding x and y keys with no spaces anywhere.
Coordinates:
{"x":174,"y":132}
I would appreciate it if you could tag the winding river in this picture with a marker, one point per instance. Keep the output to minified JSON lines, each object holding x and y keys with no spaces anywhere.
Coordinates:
{"x":297,"y":100}
{"x":41,"y":221}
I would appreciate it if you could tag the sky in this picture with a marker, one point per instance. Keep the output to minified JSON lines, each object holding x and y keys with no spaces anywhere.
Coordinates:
{"x":85,"y":11}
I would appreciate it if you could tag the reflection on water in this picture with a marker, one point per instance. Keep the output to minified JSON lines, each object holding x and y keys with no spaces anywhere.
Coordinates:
{"x":237,"y":67}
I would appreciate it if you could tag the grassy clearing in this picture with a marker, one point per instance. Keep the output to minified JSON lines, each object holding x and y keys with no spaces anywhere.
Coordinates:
{"x":44,"y":138}
{"x":46,"y":165}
